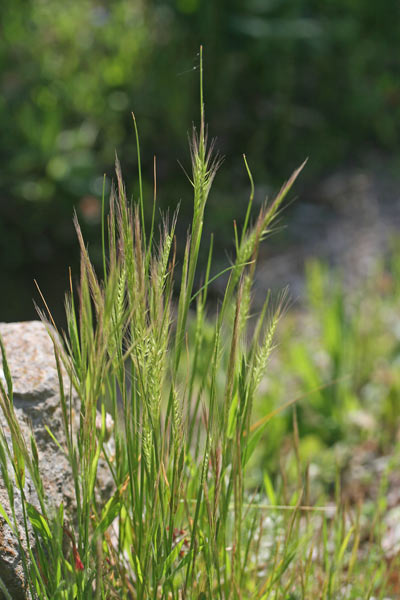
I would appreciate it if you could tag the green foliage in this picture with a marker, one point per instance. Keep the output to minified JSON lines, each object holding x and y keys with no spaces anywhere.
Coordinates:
{"x":337,"y":359}
{"x":58,"y":109}
{"x":283,"y":75}
{"x":70,"y":74}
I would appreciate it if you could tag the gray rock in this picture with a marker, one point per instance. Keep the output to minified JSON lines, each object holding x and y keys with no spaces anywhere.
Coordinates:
{"x":11,"y":566}
{"x":30,"y":356}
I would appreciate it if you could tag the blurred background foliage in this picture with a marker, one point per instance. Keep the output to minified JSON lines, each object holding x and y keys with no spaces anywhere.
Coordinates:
{"x":285,"y":79}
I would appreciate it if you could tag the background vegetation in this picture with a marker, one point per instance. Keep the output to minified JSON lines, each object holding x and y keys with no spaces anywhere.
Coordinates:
{"x":285,"y":79}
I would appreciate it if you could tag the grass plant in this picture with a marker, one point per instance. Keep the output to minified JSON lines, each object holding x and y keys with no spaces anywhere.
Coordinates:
{"x":183,"y":521}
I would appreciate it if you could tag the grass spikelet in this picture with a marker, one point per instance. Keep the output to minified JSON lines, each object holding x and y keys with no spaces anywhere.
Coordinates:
{"x":264,"y":350}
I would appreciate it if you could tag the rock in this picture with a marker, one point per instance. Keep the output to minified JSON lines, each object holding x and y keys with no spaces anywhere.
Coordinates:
{"x":11,"y":566}
{"x":30,"y":356}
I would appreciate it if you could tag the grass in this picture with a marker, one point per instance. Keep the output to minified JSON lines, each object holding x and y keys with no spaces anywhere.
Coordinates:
{"x":187,"y":519}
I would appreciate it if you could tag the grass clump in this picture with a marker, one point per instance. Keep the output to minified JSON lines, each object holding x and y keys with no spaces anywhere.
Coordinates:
{"x":182,"y":521}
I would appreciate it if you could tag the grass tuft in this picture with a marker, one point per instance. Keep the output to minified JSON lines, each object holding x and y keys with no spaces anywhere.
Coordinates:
{"x":183,"y":521}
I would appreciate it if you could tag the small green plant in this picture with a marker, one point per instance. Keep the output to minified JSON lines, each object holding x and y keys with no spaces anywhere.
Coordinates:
{"x":183,"y":521}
